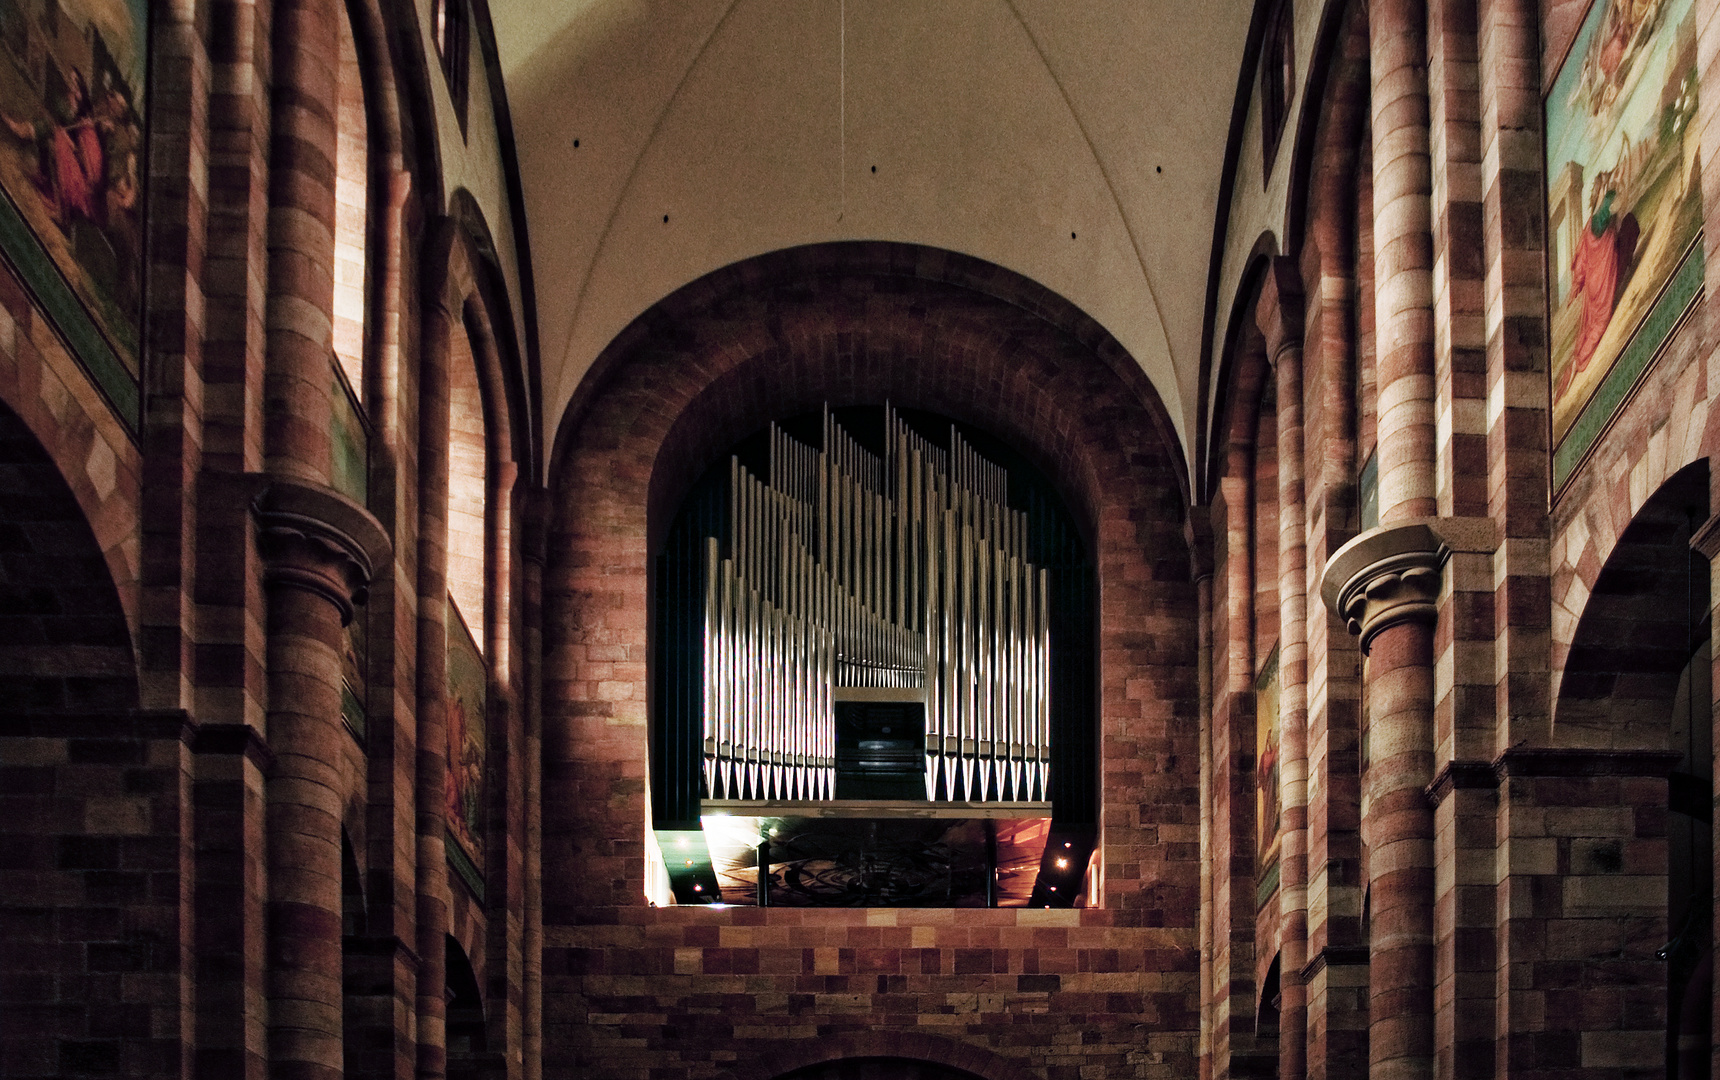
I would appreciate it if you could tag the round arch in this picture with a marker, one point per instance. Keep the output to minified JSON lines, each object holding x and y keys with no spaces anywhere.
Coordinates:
{"x":871,"y":1055}
{"x":68,"y":645}
{"x":853,"y":324}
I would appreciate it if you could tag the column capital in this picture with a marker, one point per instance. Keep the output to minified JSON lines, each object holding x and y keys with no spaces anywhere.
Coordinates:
{"x":314,"y":538}
{"x":1384,"y":577}
{"x":1278,"y":313}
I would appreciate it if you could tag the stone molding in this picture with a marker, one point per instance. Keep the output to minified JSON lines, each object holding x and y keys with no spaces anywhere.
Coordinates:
{"x":1334,"y":956}
{"x":314,"y":538}
{"x":1707,"y":538}
{"x":1574,"y":762}
{"x":1536,"y":762}
{"x":121,"y":724}
{"x":1461,"y":774}
{"x":1384,"y":577}
{"x":239,"y":739}
{"x":381,"y":946}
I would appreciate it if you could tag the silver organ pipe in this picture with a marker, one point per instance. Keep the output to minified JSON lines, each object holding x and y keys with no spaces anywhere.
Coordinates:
{"x":907,"y":573}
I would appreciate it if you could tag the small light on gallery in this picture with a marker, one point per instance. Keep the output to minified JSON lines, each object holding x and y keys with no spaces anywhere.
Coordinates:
{"x":1067,"y":843}
{"x":1053,"y":888}
{"x":689,"y":862}
{"x":1062,"y":864}
{"x":698,"y":888}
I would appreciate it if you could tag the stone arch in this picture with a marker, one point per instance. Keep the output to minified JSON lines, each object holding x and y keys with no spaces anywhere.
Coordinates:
{"x":1634,"y":708}
{"x":1630,"y":643}
{"x":1329,"y":136}
{"x":855,"y":1056}
{"x":1243,"y":471}
{"x":458,"y":332}
{"x":906,"y":261}
{"x":879,"y":1068}
{"x":1243,"y":367}
{"x":96,"y":783}
{"x":68,"y":647}
{"x":484,"y":285}
{"x":849,"y":323}
{"x":1603,"y":508}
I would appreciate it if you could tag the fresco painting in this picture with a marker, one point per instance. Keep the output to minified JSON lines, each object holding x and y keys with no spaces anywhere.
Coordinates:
{"x":1623,"y":197}
{"x":468,"y":741}
{"x":71,"y":147}
{"x":1266,"y":800}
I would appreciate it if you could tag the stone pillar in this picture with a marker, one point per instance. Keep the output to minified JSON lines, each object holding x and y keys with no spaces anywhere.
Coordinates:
{"x":299,"y":380}
{"x":1199,"y":533}
{"x":1385,"y":584}
{"x":1231,"y":988}
{"x":1403,"y":258}
{"x":534,"y":551}
{"x":1280,"y":319}
{"x":432,"y":690}
{"x":320,"y":551}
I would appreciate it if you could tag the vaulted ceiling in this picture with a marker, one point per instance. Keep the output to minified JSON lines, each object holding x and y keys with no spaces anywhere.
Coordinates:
{"x":1080,"y":144}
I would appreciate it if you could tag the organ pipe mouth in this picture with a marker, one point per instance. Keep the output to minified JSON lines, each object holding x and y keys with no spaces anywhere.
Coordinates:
{"x":846,"y":573}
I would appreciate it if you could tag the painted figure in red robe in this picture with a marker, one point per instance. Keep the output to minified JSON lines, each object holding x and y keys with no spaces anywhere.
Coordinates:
{"x":71,"y":170}
{"x":1595,"y":272}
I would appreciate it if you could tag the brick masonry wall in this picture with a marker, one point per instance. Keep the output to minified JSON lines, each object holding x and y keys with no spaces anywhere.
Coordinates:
{"x":716,"y":993}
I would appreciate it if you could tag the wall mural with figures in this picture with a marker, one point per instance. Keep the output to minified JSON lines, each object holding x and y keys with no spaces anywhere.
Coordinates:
{"x":72,"y":78}
{"x":1267,"y":805}
{"x":1624,"y":209}
{"x":468,"y":751}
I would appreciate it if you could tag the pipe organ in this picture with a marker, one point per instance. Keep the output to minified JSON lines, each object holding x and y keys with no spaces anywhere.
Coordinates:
{"x":846,"y":576}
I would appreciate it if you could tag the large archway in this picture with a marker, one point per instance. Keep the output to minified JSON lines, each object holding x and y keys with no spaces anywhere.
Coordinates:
{"x":88,"y":775}
{"x":1637,"y":696}
{"x":862,"y":324}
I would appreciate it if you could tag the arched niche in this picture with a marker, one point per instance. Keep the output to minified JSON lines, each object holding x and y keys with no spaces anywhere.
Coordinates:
{"x":858,"y":324}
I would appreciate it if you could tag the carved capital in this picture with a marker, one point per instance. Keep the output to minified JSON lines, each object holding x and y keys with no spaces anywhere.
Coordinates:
{"x":314,"y":538}
{"x":1384,"y":577}
{"x":1279,"y":311}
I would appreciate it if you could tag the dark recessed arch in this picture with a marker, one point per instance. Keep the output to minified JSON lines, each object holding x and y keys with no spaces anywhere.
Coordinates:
{"x":1641,"y":624}
{"x":848,"y":324}
{"x":67,"y":647}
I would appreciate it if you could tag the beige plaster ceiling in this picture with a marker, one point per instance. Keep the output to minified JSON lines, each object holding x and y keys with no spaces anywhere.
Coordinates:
{"x":998,"y":128}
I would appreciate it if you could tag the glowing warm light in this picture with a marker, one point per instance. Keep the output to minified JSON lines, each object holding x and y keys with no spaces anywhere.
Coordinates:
{"x":1053,"y":888}
{"x":1062,"y":864}
{"x":698,"y":888}
{"x":1068,"y":844}
{"x":689,"y":862}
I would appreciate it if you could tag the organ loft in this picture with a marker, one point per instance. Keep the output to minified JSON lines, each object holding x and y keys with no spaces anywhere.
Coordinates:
{"x":871,"y":635}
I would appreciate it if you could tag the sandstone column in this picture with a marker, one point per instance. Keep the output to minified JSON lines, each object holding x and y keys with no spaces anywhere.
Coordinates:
{"x":432,"y":689}
{"x":1387,"y":580}
{"x":1384,"y":584}
{"x":1403,"y":257}
{"x":319,"y":547}
{"x":1280,"y":319}
{"x":320,"y":550}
